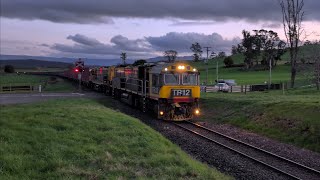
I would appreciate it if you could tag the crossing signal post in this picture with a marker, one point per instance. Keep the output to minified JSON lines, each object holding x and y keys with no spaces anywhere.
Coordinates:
{"x":79,"y":68}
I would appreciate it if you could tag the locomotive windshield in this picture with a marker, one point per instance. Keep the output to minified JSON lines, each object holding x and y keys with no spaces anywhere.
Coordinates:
{"x":172,"y":79}
{"x":189,"y":79}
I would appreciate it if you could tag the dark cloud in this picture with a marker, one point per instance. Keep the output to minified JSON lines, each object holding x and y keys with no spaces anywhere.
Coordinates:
{"x":97,"y":11}
{"x":84,"y":40}
{"x":181,"y":42}
{"x":192,"y":23}
{"x":86,"y":45}
{"x":124,"y":43}
{"x":273,"y":25}
{"x":146,"y":47}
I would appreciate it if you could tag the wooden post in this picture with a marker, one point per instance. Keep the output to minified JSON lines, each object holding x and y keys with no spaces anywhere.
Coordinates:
{"x":241,"y":88}
{"x":231,"y":89}
{"x":245,"y":89}
{"x":282,"y":88}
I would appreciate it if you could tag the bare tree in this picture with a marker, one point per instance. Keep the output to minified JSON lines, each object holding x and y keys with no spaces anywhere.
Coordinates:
{"x":123,"y":56}
{"x":171,"y":55}
{"x":292,"y":13}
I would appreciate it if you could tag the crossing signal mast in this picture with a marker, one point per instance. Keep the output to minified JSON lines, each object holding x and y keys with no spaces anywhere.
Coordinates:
{"x":79,"y":68}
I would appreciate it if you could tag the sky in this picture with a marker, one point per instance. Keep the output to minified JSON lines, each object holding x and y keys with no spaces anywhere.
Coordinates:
{"x":141,"y":28}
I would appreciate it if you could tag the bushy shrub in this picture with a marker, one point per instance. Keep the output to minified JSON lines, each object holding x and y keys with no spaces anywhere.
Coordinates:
{"x":228,"y":61}
{"x":8,"y":69}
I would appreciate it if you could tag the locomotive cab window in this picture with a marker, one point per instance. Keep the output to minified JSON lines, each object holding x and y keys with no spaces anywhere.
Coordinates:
{"x":189,"y":79}
{"x":172,"y":79}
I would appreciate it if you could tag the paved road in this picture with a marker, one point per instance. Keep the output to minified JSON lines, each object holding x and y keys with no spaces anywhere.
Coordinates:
{"x":31,"y":97}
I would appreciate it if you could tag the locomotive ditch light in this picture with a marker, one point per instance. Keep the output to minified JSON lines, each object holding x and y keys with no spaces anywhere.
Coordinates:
{"x":194,"y":69}
{"x":165,"y":69}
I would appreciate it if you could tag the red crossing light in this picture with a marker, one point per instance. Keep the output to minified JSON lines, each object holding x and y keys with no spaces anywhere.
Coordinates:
{"x":76,"y":70}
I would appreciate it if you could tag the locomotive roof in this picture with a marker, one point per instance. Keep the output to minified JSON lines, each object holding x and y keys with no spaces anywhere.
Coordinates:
{"x":157,"y":69}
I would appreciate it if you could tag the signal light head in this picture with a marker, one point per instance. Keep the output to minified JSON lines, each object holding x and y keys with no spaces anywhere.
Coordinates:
{"x":161,"y":113}
{"x":197,"y":111}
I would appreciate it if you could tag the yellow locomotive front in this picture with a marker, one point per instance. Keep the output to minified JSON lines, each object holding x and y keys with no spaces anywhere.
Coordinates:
{"x":176,"y":88}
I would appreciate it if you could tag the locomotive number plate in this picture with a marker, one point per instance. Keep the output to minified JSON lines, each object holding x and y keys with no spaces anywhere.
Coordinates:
{"x":181,"y":92}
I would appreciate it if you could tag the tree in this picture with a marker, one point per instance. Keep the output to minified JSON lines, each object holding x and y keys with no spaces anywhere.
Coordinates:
{"x":250,"y":48}
{"x":123,"y":56}
{"x":8,"y":69}
{"x":292,"y":16}
{"x":197,"y":51}
{"x":270,"y":46}
{"x":171,"y":55}
{"x":139,"y":62}
{"x":234,"y":50}
{"x":228,"y":61}
{"x":221,"y":54}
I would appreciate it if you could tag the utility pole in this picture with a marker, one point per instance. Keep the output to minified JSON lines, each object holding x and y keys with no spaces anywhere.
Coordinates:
{"x":217,"y":70}
{"x":207,"y":71}
{"x":270,"y":75}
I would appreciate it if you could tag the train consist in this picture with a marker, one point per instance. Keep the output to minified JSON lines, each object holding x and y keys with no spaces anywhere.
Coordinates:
{"x":170,"y":90}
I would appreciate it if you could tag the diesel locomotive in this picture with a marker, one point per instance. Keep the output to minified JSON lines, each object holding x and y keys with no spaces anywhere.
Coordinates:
{"x":170,"y":90}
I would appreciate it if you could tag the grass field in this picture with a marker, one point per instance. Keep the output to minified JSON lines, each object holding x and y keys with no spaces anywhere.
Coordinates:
{"x":280,"y":73}
{"x":49,"y":85}
{"x":17,"y":79}
{"x":82,"y":139}
{"x":291,"y":118}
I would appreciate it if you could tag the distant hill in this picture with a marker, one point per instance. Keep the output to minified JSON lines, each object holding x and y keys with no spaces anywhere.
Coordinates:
{"x":32,"y":63}
{"x":90,"y":62}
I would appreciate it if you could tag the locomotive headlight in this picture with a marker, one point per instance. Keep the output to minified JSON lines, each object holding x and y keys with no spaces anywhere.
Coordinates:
{"x":181,"y":67}
{"x":197,"y":111}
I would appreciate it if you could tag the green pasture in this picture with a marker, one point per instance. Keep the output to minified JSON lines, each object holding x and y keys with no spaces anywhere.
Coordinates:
{"x":292,"y":118}
{"x":24,"y":79}
{"x":83,"y":139}
{"x":49,"y":84}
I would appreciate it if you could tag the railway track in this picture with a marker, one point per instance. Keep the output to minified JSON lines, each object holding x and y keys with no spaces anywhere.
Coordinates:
{"x":282,"y":165}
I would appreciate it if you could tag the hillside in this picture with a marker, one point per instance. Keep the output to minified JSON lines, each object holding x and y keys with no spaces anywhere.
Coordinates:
{"x":280,"y":73}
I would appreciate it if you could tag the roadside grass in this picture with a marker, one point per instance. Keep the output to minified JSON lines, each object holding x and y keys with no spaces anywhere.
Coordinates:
{"x":48,"y":83}
{"x":291,"y":118}
{"x":81,"y":138}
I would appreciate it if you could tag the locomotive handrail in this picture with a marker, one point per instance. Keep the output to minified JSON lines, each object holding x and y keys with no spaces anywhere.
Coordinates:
{"x":139,"y":84}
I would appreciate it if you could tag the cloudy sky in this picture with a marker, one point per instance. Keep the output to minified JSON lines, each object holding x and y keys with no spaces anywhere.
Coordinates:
{"x":141,"y":28}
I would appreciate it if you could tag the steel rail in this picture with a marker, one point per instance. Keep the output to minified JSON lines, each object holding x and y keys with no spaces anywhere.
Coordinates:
{"x":257,"y":148}
{"x":234,"y":150}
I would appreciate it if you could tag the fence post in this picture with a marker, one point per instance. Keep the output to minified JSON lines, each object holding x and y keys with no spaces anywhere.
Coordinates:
{"x":241,"y":88}
{"x":40,"y":88}
{"x":231,"y":89}
{"x":245,"y":89}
